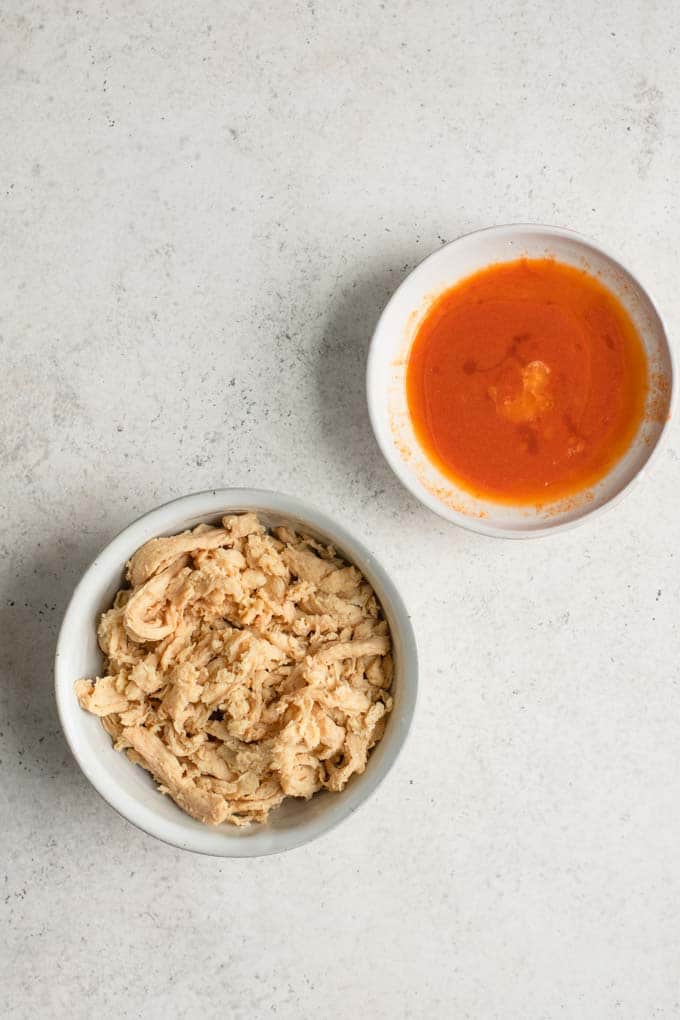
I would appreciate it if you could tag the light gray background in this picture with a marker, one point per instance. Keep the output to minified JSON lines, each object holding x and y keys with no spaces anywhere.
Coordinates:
{"x":204,"y":207}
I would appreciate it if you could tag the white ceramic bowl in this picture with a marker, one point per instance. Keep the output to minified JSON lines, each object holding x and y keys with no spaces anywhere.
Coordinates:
{"x":128,"y":788}
{"x":388,"y":358}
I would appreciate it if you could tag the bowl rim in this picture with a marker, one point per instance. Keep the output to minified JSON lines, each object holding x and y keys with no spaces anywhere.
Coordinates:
{"x":480,"y":525}
{"x":212,"y":502}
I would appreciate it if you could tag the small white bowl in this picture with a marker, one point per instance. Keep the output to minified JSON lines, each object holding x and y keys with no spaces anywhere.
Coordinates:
{"x":128,"y":788}
{"x":388,"y":358}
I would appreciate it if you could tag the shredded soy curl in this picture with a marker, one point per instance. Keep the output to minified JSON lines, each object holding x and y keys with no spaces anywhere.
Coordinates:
{"x":242,"y":667}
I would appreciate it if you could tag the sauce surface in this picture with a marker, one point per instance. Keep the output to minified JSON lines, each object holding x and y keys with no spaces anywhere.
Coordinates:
{"x":526,"y":382}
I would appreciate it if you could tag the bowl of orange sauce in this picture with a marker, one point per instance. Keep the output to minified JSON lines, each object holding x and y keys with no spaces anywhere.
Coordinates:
{"x":519,"y":380}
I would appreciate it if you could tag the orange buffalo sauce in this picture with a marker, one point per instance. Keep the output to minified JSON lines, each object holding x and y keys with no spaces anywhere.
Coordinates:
{"x":526,"y":382}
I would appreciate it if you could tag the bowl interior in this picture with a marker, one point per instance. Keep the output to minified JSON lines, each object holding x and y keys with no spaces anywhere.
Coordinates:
{"x":396,"y":331}
{"x":130,"y":789}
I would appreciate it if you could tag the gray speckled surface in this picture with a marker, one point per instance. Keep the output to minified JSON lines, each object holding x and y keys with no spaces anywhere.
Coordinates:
{"x":203,"y":208}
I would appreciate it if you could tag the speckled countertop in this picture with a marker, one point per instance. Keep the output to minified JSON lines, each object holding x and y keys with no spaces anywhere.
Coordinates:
{"x":203,"y":209}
